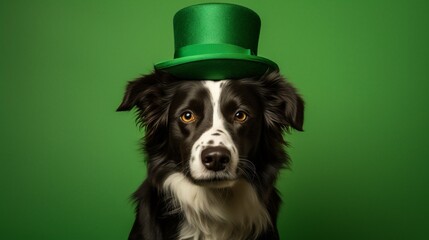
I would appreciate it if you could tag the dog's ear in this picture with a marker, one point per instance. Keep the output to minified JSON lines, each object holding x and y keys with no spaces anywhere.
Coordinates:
{"x":285,"y":107}
{"x":294,"y":109}
{"x":148,"y":94}
{"x":136,"y":92}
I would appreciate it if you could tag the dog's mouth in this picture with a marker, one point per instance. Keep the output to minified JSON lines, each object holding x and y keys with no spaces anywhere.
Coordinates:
{"x":216,"y":182}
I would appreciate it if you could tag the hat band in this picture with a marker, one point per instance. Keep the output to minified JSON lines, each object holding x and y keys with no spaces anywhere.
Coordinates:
{"x":199,"y":49}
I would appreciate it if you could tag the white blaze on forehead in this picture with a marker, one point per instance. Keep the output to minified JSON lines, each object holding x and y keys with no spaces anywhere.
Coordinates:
{"x":215,"y":88}
{"x":217,"y":135}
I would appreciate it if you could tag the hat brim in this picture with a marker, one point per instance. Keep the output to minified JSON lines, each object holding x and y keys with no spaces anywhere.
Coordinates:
{"x":217,"y":66}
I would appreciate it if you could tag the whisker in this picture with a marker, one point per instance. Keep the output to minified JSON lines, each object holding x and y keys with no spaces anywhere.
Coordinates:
{"x":248,"y":168}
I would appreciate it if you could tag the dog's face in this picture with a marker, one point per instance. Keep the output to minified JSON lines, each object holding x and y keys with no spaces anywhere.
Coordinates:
{"x":212,"y":131}
{"x":214,"y":125}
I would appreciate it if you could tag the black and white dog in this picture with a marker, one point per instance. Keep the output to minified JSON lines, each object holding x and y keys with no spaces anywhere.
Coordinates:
{"x":214,"y":150}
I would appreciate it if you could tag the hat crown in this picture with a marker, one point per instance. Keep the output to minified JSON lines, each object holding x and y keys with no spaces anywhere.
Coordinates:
{"x":216,"y":24}
{"x":216,"y":41}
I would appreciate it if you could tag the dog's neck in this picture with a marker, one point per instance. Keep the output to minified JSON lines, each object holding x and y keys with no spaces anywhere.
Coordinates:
{"x":209,"y":213}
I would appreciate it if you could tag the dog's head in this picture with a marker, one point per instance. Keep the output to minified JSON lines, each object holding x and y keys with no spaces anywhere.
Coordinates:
{"x":215,"y":132}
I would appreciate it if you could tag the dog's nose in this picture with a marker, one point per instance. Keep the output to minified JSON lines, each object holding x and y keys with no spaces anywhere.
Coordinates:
{"x":215,"y":158}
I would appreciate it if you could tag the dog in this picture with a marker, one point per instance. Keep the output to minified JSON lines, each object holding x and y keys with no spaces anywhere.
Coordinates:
{"x":214,"y":150}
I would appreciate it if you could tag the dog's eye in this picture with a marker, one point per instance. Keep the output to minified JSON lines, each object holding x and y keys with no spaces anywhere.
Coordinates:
{"x":240,"y":116}
{"x":187,"y":117}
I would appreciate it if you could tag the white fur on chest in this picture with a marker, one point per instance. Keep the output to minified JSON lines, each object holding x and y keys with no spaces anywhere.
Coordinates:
{"x":215,"y":214}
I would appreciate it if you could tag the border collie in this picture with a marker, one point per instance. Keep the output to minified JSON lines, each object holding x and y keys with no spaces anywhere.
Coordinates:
{"x":214,"y":150}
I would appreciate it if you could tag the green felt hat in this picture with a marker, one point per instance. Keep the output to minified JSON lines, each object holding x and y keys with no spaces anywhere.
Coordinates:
{"x":216,"y":41}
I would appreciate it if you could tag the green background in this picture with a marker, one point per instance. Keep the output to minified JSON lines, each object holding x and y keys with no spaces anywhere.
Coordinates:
{"x":69,"y":162}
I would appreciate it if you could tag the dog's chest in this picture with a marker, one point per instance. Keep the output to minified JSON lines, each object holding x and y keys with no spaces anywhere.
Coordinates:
{"x":189,"y":232}
{"x":212,"y":214}
{"x":216,"y":231}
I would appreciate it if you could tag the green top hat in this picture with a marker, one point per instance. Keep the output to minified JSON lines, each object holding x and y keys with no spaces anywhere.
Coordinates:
{"x":216,"y":41}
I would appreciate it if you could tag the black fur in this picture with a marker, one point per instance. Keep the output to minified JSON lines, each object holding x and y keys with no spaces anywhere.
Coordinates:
{"x":159,"y":98}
